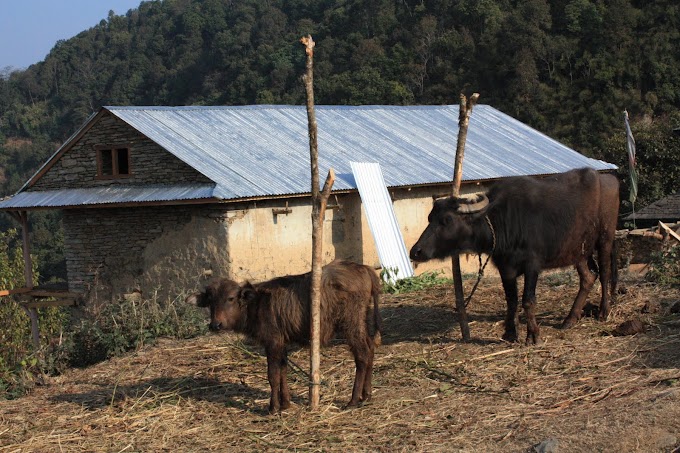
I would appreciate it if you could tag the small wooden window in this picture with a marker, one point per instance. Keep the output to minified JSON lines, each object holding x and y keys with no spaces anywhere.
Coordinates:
{"x":113,"y":162}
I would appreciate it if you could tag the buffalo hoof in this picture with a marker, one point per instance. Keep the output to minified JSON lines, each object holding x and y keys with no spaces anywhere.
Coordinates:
{"x":534,"y":340}
{"x":352,"y":405}
{"x":510,"y":337}
{"x":568,"y":323}
{"x":273,"y":410}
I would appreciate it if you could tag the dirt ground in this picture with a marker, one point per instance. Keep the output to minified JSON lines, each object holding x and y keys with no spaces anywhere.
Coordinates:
{"x":583,"y":390}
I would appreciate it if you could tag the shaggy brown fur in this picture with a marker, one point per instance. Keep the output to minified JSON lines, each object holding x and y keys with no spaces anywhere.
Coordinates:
{"x":276,"y":313}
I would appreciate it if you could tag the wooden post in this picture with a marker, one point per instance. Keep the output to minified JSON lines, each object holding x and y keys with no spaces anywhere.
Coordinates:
{"x":319,"y":202}
{"x":28,"y":277}
{"x":463,"y":122}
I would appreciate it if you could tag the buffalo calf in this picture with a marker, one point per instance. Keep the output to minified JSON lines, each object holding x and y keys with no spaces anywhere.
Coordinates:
{"x":276,"y":313}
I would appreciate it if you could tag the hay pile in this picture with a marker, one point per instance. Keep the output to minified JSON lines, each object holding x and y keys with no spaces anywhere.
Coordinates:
{"x":585,"y":389}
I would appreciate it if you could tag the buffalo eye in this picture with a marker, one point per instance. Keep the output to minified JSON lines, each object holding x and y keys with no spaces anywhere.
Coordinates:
{"x":446,"y":220}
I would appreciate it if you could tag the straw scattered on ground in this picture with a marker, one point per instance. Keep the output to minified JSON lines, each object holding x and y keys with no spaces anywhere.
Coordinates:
{"x":584,"y":389}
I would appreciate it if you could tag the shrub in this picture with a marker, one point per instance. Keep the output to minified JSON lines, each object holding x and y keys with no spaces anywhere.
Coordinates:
{"x":405,"y":285}
{"x":85,"y":336}
{"x":665,"y":267}
{"x":110,"y":329}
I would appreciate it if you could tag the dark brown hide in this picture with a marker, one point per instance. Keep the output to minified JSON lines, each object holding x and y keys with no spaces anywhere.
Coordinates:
{"x":276,"y":313}
{"x":534,"y":224}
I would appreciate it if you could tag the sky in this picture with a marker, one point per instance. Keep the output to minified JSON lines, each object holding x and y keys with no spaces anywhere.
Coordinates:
{"x":30,"y":28}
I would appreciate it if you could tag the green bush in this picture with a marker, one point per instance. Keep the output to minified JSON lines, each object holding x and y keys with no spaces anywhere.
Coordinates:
{"x":405,"y":285}
{"x":19,"y":363}
{"x":76,"y":337}
{"x":85,"y":336}
{"x":665,"y":267}
{"x":110,"y":329}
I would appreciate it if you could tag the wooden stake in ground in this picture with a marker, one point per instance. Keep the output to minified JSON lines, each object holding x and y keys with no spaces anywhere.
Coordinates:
{"x":22,"y":218}
{"x":319,"y":202}
{"x":463,"y":122}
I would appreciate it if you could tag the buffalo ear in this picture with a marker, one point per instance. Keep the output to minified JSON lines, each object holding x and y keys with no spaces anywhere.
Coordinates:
{"x":197,"y":299}
{"x":248,"y":293}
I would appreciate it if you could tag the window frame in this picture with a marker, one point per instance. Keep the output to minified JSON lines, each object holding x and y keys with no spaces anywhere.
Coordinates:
{"x":115,"y":171}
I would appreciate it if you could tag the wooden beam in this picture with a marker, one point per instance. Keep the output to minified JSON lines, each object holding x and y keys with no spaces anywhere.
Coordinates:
{"x":28,"y":276}
{"x":28,"y":264}
{"x":41,"y":293}
{"x":50,"y":303}
{"x":9,"y":292}
{"x":669,"y":230}
{"x":315,"y":287}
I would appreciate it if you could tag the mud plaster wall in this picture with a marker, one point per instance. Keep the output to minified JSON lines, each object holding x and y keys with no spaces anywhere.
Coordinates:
{"x":169,"y":250}
{"x":263,"y":244}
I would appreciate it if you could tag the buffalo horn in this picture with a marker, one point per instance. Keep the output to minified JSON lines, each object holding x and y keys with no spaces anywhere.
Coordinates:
{"x":472,"y":203}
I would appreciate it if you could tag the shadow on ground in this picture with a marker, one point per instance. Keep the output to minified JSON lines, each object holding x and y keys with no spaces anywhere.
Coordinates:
{"x":200,"y":389}
{"x":411,"y":323}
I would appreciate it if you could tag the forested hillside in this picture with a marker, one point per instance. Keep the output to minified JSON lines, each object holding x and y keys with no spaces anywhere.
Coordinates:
{"x":566,"y":67}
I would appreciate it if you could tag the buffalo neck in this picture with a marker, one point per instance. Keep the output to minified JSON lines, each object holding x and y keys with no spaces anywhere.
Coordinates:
{"x":483,"y":234}
{"x":247,"y":316}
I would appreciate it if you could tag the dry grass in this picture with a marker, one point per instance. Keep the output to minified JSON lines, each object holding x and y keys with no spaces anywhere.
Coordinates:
{"x":584,"y":388}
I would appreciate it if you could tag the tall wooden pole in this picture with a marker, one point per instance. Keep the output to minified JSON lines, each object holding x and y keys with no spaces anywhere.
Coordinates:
{"x":319,"y":202}
{"x":22,"y":217}
{"x":463,"y":122}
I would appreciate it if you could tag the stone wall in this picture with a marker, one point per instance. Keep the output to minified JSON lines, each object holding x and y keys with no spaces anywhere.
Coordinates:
{"x":149,"y":163}
{"x":159,"y":250}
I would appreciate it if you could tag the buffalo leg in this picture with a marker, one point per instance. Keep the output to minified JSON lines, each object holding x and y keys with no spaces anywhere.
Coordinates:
{"x":607,"y":261}
{"x":511,"y":321}
{"x":363,"y":361}
{"x":586,"y":281}
{"x":368,"y":386}
{"x":529,"y":306}
{"x":283,"y":376}
{"x":275,"y":359}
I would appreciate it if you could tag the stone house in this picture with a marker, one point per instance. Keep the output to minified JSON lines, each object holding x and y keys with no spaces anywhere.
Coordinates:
{"x":164,"y":198}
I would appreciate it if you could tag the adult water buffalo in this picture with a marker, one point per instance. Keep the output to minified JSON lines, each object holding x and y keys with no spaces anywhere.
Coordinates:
{"x":526,"y":225}
{"x":276,"y":313}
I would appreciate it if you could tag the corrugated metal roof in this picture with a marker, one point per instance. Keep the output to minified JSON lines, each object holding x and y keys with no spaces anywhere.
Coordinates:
{"x":108,"y":195}
{"x":263,"y":150}
{"x":382,"y":221}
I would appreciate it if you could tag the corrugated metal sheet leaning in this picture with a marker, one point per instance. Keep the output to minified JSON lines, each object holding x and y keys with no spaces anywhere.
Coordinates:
{"x":382,"y":221}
